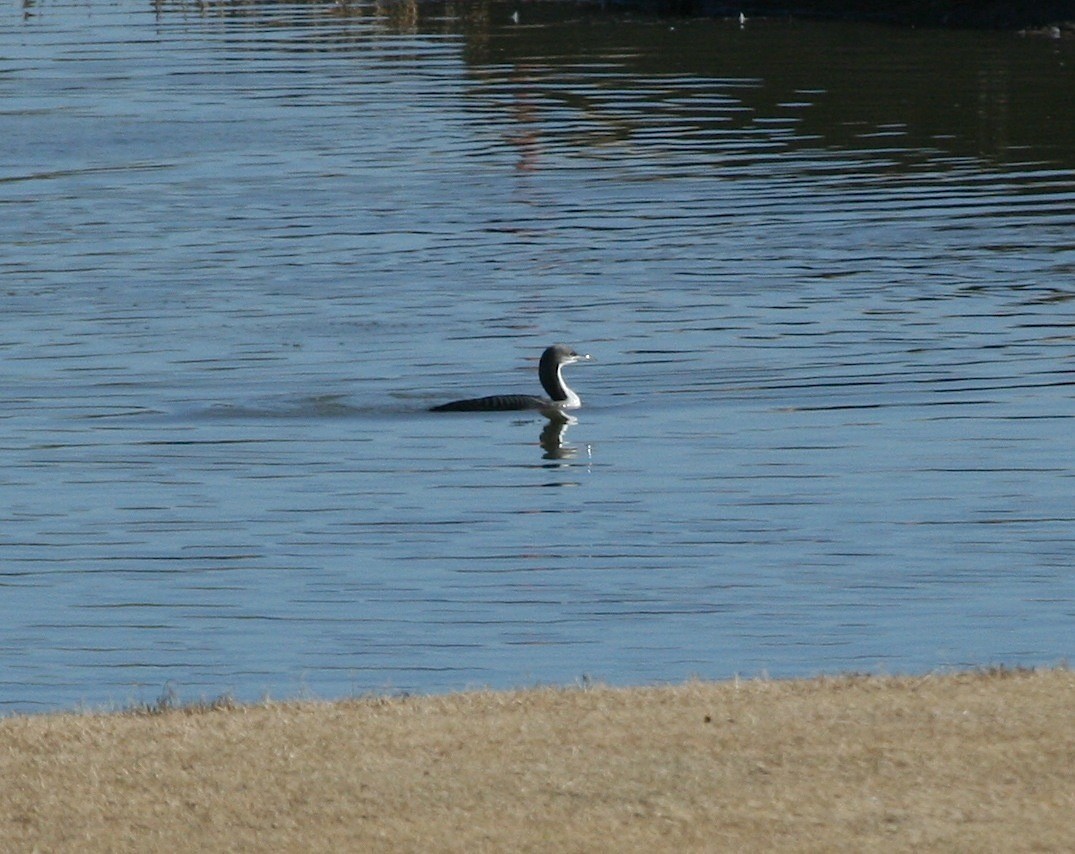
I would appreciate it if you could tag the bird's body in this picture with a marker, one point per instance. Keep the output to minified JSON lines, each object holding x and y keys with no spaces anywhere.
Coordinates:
{"x":560,"y":397}
{"x":495,"y":403}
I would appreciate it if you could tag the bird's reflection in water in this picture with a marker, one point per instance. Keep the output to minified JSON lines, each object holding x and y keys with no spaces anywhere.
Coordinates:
{"x":552,"y":438}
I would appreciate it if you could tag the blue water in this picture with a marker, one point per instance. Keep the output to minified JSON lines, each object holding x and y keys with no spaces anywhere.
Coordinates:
{"x":828,"y":426}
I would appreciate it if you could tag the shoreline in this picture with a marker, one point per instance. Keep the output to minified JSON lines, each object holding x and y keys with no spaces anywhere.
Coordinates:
{"x":970,"y":760}
{"x":1052,"y":17}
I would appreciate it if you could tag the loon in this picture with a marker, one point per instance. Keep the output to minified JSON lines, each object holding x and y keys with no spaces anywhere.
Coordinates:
{"x":552,"y":380}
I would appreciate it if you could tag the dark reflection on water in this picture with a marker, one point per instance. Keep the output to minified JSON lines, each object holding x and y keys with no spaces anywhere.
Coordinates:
{"x":702,"y":85}
{"x":826,"y":271}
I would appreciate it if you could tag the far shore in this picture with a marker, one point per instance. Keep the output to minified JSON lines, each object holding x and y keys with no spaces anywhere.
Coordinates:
{"x":1018,"y":14}
{"x":972,"y":761}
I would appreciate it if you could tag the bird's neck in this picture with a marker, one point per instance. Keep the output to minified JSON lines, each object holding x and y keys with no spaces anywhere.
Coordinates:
{"x":552,"y":380}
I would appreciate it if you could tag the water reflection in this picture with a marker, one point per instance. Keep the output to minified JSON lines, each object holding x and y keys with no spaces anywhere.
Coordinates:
{"x":552,"y":438}
{"x":840,"y":85}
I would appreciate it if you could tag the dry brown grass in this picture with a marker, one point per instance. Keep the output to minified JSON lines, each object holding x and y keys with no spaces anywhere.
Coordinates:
{"x":964,"y":762}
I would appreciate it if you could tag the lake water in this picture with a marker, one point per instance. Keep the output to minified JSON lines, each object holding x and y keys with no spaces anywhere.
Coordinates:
{"x":825,"y":270}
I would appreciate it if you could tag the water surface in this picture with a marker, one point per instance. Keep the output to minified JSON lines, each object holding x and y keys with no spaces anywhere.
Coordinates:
{"x":825,"y":271}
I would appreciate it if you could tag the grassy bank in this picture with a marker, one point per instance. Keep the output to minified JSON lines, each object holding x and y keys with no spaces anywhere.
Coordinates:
{"x":969,"y":762}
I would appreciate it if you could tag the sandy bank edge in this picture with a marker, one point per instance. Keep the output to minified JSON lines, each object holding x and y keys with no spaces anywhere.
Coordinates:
{"x":965,"y":761}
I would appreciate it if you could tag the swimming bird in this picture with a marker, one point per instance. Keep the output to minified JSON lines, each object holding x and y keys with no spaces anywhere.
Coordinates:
{"x":550,"y":369}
